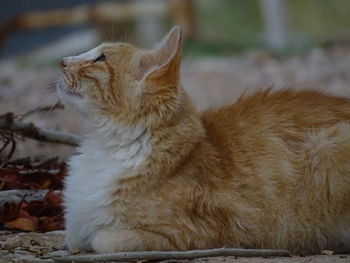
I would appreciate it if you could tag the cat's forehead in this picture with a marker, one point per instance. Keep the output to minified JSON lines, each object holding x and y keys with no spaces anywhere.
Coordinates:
{"x":97,"y":51}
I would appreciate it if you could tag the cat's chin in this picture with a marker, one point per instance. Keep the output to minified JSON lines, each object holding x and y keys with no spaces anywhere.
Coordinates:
{"x":73,"y":93}
{"x":72,"y":99}
{"x":62,"y":91}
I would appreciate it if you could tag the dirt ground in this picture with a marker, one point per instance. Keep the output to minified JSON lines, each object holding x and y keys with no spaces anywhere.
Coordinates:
{"x":209,"y":81}
{"x":23,"y":247}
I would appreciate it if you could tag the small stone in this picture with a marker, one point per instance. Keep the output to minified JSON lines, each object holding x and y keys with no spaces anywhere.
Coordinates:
{"x":35,"y":249}
{"x":21,"y":252}
{"x":14,"y":257}
{"x":34,"y":243}
{"x":13,"y":242}
{"x":75,"y":251}
{"x":327,"y":252}
{"x":2,"y":244}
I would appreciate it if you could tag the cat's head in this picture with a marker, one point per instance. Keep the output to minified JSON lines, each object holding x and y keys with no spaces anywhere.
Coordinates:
{"x":125,"y":82}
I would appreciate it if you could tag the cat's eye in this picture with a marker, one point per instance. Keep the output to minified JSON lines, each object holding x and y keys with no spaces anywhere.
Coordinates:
{"x":100,"y":58}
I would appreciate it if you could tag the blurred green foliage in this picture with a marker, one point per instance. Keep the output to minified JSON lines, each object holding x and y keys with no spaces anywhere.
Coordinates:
{"x":321,"y":20}
{"x":231,"y":26}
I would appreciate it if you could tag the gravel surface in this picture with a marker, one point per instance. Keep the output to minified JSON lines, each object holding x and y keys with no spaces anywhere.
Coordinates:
{"x":22,"y":247}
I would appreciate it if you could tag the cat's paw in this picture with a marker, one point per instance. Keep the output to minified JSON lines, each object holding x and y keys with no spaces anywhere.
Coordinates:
{"x":73,"y":243}
{"x":112,"y":240}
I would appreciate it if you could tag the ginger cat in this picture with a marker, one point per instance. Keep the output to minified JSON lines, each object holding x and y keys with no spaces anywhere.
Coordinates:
{"x":271,"y":170}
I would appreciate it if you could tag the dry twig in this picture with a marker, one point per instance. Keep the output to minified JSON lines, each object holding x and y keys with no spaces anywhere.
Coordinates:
{"x":8,"y":140}
{"x":163,"y":255}
{"x":48,"y":109}
{"x":36,"y":260}
{"x":29,"y":130}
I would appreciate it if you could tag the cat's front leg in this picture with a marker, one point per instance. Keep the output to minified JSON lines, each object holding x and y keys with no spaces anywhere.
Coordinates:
{"x":75,"y":238}
{"x":119,"y":240}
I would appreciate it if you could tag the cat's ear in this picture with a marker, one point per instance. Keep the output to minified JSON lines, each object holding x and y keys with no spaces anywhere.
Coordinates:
{"x":163,"y":61}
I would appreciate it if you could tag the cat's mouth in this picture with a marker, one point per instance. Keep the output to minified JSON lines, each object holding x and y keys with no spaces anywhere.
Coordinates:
{"x":69,"y":92}
{"x":73,"y":93}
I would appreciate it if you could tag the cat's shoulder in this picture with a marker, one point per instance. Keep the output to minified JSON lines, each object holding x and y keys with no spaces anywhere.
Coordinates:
{"x":270,"y":100}
{"x":277,"y":109}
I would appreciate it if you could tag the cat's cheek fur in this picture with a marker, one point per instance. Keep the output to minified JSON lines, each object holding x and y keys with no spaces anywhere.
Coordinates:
{"x":78,"y":103}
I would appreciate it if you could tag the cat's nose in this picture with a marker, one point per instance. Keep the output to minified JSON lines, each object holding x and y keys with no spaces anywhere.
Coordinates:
{"x":64,"y":63}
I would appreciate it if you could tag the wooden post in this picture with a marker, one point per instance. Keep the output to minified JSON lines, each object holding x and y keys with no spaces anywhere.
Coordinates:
{"x":275,"y":19}
{"x":184,"y":15}
{"x":149,"y":28}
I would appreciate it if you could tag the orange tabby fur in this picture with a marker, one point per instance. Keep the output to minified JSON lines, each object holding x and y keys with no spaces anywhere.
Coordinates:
{"x":271,"y":170}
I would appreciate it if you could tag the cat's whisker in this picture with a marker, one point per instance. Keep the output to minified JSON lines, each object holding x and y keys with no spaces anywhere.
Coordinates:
{"x":51,"y":109}
{"x":38,"y":108}
{"x":54,"y":84}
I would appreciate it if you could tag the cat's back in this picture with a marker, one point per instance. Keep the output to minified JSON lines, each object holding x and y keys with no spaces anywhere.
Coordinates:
{"x":286,"y":154}
{"x":290,"y":114}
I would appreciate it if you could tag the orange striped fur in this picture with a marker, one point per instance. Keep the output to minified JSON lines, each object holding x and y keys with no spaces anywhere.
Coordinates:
{"x":271,"y":170}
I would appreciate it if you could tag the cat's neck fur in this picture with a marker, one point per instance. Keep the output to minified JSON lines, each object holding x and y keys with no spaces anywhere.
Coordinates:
{"x":106,"y":136}
{"x":173,"y":143}
{"x":160,"y":149}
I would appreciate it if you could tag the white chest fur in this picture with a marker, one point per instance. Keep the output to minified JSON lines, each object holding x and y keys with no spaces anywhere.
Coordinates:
{"x":104,"y":156}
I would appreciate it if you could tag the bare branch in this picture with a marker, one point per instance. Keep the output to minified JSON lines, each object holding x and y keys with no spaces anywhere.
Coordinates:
{"x":7,"y":138}
{"x":163,"y":255}
{"x":35,"y":260}
{"x":29,"y":130}
{"x":48,"y":109}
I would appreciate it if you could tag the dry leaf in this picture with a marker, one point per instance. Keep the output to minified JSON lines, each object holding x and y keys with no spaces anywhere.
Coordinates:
{"x":23,"y":224}
{"x":46,"y":176}
{"x":39,"y":215}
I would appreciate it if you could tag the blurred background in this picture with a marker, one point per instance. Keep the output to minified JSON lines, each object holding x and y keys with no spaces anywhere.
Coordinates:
{"x":213,"y":27}
{"x":231,"y":47}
